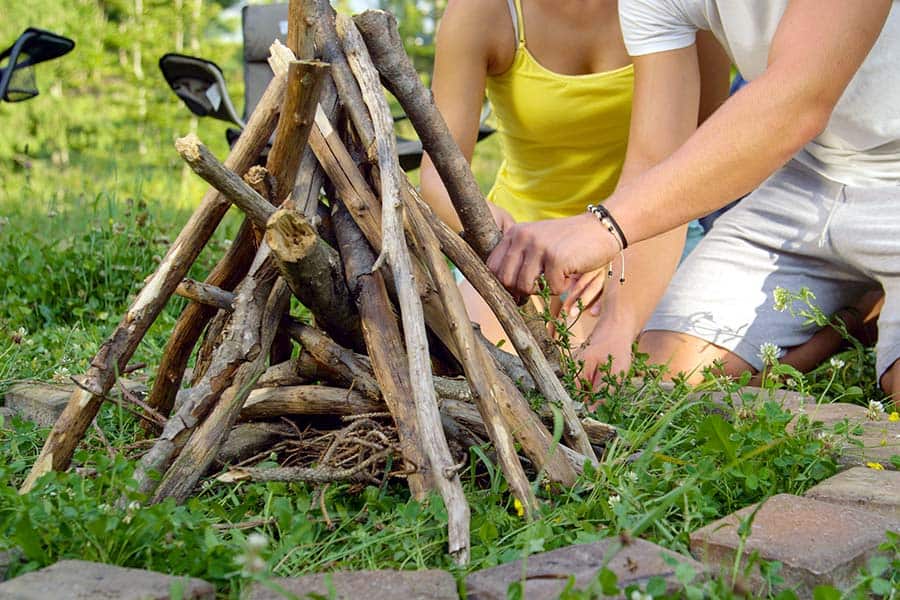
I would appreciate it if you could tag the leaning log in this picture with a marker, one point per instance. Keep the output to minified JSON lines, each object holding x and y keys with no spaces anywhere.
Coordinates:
{"x":315,"y":275}
{"x":385,"y":346}
{"x":397,"y":257}
{"x":379,"y":29}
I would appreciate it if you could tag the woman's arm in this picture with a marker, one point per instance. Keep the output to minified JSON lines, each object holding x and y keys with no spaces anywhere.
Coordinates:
{"x":470,"y":41}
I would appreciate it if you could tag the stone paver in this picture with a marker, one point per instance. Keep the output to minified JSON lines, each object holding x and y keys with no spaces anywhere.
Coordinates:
{"x":865,"y":488}
{"x":7,"y":558}
{"x":365,"y":585}
{"x":82,"y":580}
{"x":881,"y":441}
{"x":816,"y":542}
{"x":547,"y":573}
{"x":42,"y":403}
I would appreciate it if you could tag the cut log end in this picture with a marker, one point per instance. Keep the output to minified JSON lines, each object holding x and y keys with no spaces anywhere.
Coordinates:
{"x":189,"y":147}
{"x":290,"y":235}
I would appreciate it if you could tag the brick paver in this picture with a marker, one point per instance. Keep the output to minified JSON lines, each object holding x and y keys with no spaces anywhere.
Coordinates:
{"x":547,"y":574}
{"x":365,"y":585}
{"x":863,"y":488}
{"x":816,"y":542}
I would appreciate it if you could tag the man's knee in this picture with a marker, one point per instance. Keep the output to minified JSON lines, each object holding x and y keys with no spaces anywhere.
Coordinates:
{"x":688,"y":354}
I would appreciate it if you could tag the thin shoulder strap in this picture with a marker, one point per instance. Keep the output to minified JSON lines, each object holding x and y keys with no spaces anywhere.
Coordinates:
{"x":515,"y":11}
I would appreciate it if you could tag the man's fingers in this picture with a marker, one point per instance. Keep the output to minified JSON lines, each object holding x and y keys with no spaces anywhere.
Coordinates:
{"x":496,"y":258}
{"x":587,"y":289}
{"x":529,"y":271}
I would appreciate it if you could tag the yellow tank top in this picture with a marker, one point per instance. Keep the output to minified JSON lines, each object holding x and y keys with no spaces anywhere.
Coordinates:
{"x":563,"y":136}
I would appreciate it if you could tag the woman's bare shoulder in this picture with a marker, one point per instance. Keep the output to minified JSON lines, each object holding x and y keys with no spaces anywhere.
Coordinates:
{"x":482,"y":24}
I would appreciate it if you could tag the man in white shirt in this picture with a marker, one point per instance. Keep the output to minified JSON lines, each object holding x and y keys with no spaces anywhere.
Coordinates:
{"x":816,"y":133}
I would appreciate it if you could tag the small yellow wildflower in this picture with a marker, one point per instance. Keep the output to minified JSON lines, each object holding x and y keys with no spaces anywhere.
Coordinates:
{"x":894,"y":417}
{"x":520,"y":510}
{"x":875,"y":466}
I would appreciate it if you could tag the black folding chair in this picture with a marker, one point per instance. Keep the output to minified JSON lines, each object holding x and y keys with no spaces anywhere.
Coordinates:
{"x":199,"y":83}
{"x":17,"y":78}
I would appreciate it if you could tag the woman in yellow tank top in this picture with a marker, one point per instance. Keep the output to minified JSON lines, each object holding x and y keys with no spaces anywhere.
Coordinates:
{"x":560,"y":83}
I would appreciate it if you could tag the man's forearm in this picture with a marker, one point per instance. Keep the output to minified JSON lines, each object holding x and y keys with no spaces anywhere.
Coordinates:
{"x":737,"y":148}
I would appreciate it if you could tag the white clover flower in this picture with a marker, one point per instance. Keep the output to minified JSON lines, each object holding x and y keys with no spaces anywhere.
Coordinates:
{"x":791,"y":383}
{"x":257,"y":542}
{"x":631,"y":476}
{"x":769,"y":353}
{"x":614,"y":501}
{"x":836,"y":363}
{"x":875,"y":410}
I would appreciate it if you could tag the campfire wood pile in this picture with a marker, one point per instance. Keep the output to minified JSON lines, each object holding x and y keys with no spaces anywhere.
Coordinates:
{"x":369,"y":381}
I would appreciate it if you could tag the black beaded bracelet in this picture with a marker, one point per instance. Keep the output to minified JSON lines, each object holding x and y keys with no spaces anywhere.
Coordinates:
{"x":602,"y":213}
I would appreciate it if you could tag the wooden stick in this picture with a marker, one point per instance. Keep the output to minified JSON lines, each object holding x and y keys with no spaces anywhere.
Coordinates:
{"x":230,"y":270}
{"x":238,"y":346}
{"x":312,"y":269}
{"x":205,"y":293}
{"x":363,"y":206}
{"x":115,"y":353}
{"x":481,"y":371}
{"x":385,"y":346}
{"x":201,"y":448}
{"x":306,"y":400}
{"x":304,"y":87}
{"x":501,"y":303}
{"x":379,"y":29}
{"x":396,"y":255}
{"x":301,"y":33}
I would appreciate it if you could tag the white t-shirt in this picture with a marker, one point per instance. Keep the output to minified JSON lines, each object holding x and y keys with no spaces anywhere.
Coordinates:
{"x":861,"y":144}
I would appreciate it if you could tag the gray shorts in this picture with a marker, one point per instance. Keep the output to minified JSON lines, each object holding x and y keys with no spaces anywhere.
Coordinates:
{"x":797,"y":230}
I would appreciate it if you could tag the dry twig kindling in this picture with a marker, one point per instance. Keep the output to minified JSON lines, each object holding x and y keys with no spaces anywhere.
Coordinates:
{"x":360,"y":401}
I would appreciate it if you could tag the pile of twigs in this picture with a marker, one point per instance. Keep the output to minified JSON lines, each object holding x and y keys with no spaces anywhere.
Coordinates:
{"x":368,"y":262}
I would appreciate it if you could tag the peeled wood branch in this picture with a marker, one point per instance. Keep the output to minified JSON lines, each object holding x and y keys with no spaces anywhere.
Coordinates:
{"x":113,"y":356}
{"x":513,"y":323}
{"x":394,"y":249}
{"x":379,"y":29}
{"x":481,"y":372}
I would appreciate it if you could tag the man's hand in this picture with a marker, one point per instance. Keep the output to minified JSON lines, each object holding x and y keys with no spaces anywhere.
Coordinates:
{"x":557,"y":249}
{"x":501,"y":216}
{"x":585,"y":289}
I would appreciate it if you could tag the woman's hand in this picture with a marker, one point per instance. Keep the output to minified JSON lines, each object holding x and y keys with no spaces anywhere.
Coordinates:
{"x":607,"y":340}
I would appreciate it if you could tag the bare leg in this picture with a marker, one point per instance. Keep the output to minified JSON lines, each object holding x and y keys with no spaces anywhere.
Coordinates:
{"x":688,"y":354}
